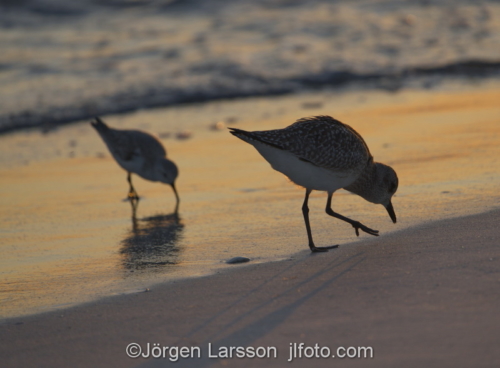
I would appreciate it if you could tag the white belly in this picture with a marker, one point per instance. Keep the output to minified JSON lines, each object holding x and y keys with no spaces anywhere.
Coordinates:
{"x":139,"y":166}
{"x":134,"y":165}
{"x":304,"y":173}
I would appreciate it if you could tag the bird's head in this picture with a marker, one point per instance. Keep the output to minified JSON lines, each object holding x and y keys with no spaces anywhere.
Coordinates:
{"x":377,"y":185}
{"x":385,"y":187}
{"x":167,"y":171}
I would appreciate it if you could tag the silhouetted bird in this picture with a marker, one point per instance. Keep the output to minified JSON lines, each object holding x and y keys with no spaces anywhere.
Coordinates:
{"x":140,"y":153}
{"x":321,"y":153}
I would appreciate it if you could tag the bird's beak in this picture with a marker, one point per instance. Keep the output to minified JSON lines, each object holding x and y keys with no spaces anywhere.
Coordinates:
{"x":391,"y":212}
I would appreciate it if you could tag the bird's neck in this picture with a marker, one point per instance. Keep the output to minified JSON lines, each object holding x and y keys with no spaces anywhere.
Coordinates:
{"x":363,"y":185}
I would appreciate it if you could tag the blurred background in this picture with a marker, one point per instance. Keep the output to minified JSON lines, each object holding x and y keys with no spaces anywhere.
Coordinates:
{"x":63,"y":61}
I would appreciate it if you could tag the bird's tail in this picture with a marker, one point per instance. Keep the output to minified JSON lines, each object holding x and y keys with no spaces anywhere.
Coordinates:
{"x":253,"y":137}
{"x":99,"y":125}
{"x":241,"y":134}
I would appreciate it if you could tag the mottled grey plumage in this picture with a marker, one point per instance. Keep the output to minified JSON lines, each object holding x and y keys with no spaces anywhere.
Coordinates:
{"x":140,"y":153}
{"x":321,"y":140}
{"x":321,"y":153}
{"x":125,"y":144}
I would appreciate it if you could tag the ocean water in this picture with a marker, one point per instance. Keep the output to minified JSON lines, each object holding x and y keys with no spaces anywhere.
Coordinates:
{"x":66,"y":61}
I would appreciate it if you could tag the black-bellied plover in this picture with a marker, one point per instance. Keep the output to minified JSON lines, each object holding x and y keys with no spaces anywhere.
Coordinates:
{"x":139,"y":153}
{"x":321,"y":153}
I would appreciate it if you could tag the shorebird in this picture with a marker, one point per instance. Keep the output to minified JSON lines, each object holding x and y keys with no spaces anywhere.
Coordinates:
{"x":321,"y":153}
{"x":139,"y":153}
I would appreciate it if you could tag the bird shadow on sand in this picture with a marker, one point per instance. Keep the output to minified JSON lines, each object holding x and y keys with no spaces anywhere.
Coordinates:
{"x":152,"y":242}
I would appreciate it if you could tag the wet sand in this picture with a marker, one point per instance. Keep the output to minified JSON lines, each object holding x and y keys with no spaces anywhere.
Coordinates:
{"x":426,"y":296}
{"x":69,"y":238}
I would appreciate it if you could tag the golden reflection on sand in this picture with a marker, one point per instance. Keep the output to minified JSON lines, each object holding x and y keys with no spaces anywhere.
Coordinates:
{"x":67,"y":236}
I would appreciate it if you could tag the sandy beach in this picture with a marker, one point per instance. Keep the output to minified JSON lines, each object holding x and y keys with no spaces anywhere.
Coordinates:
{"x":421,"y":296}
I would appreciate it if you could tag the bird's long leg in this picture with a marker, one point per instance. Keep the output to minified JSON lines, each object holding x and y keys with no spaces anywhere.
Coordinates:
{"x":305,"y":212}
{"x":177,"y":198}
{"x":355,"y":224}
{"x":132,"y":194}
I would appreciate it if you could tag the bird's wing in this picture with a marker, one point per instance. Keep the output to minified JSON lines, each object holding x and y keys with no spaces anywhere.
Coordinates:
{"x":121,"y":145}
{"x":325,"y":143}
{"x":150,"y":147}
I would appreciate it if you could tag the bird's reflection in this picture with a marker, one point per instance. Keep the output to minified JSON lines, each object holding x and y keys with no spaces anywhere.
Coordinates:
{"x":152,"y":242}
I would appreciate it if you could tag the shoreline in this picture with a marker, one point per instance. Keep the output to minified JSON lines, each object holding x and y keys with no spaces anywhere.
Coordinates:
{"x":426,"y":273}
{"x":339,"y":82}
